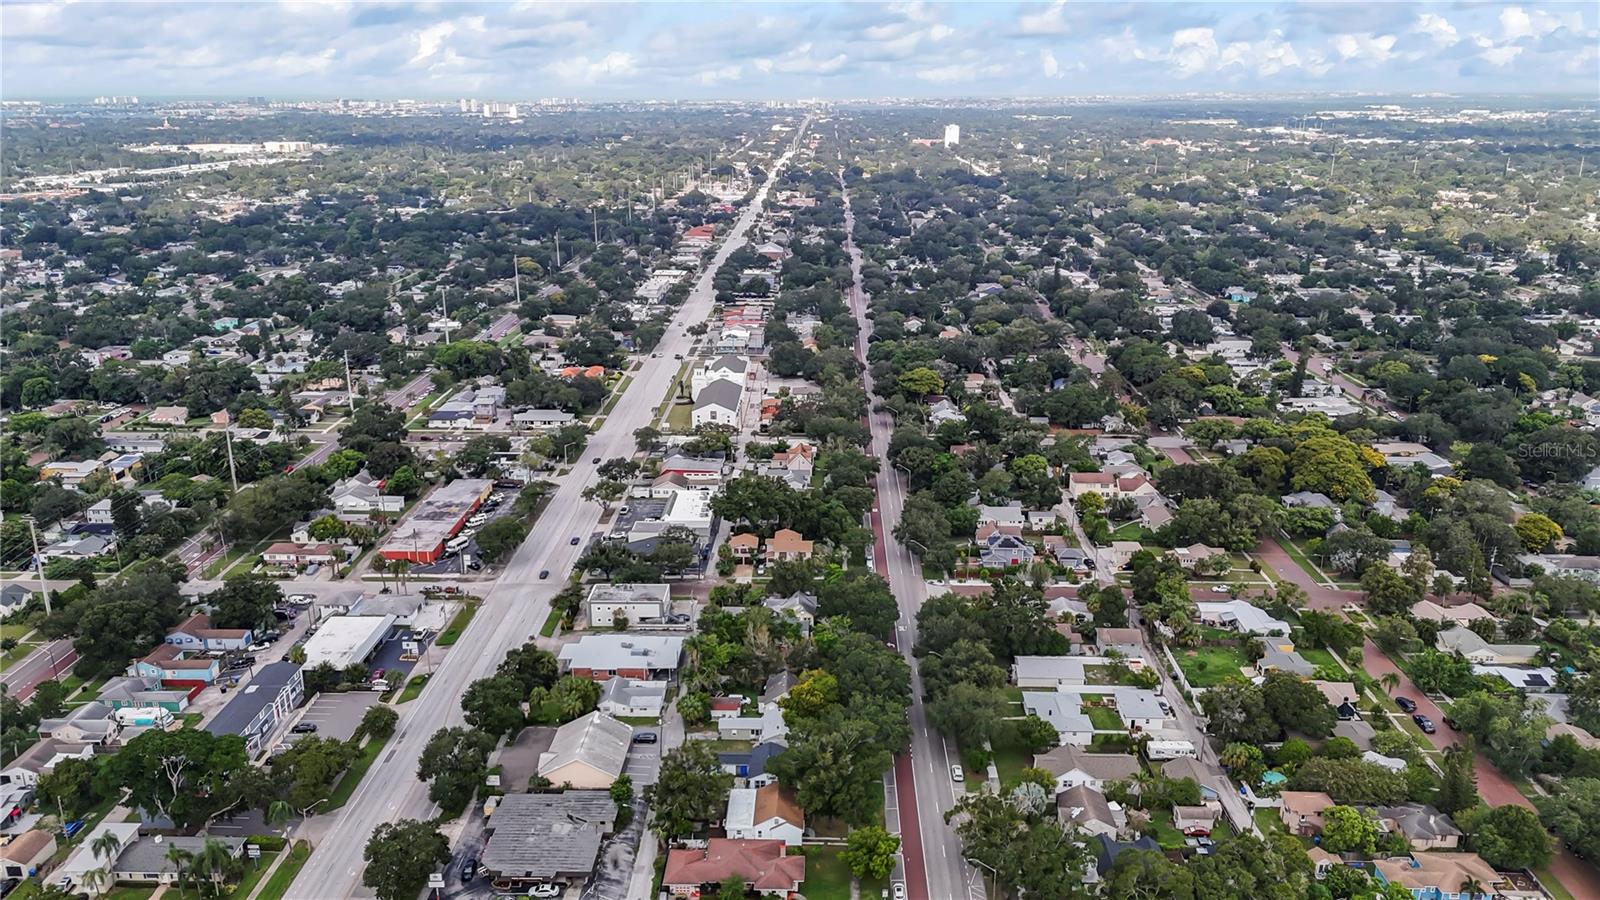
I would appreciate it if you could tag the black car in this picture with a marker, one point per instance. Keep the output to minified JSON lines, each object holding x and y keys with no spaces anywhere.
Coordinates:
{"x":469,"y":869}
{"x":1425,"y":723}
{"x":646,"y":737}
{"x":543,"y":574}
{"x":1406,"y":704}
{"x":596,"y":460}
{"x":1452,"y":724}
{"x":574,"y":542}
{"x":305,"y":728}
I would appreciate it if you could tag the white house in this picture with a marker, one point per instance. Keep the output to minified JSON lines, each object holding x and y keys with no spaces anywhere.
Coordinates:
{"x":766,"y":813}
{"x":727,"y":367}
{"x":632,"y":602}
{"x":1240,"y":616}
{"x":631,"y":697}
{"x":718,"y":404}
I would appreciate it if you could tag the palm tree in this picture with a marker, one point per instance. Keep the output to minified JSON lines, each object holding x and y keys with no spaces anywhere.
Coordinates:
{"x":1472,"y":887}
{"x":106,"y":846}
{"x":1389,"y":681}
{"x":216,"y":864}
{"x":96,"y":879}
{"x":180,"y":859}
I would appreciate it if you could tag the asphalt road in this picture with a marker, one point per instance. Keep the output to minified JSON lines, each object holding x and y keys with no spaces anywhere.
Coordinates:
{"x":44,"y":663}
{"x":516,"y":605}
{"x":932,"y":865}
{"x":400,"y":398}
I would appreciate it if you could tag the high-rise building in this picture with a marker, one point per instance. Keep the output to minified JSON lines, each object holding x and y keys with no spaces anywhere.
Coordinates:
{"x":952,"y":135}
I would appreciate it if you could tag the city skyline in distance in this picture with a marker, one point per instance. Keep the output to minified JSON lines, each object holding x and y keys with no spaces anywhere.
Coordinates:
{"x":789,"y":51}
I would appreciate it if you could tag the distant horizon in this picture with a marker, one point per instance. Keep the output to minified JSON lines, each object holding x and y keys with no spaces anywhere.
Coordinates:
{"x":792,"y":51}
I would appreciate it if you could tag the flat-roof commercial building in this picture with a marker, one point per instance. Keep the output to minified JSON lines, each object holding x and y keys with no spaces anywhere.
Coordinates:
{"x":554,"y":837}
{"x":345,"y":640}
{"x":420,"y":536}
{"x":255,"y":710}
{"x":633,"y":602}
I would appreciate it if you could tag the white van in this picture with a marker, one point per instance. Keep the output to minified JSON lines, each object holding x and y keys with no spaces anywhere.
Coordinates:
{"x":458,"y":543}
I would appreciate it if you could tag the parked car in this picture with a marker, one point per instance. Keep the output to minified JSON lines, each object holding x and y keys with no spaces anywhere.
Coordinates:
{"x":259,"y":646}
{"x":957,"y":775}
{"x":377,"y":675}
{"x":1219,"y":589}
{"x":469,"y":869}
{"x":1452,"y":724}
{"x":1406,"y":704}
{"x":646,"y":737}
{"x":1425,"y":723}
{"x":304,"y":728}
{"x":899,"y":890}
{"x":71,"y":829}
{"x":544,"y":890}
{"x":543,"y":574}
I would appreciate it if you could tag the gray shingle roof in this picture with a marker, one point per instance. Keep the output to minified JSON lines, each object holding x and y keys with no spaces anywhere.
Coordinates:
{"x":547,"y":836}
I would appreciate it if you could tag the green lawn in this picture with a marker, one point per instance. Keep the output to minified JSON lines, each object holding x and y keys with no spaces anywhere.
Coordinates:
{"x":551,"y":623}
{"x":638,"y":720}
{"x":253,"y":872}
{"x":1207,"y":666}
{"x":1268,"y":820}
{"x":1010,"y":758}
{"x":1320,"y":657}
{"x":1168,"y":836}
{"x":459,"y":624}
{"x":828,"y":878}
{"x":16,"y":631}
{"x":351,"y":779}
{"x":680,"y":418}
{"x":129,"y":892}
{"x":279,"y":883}
{"x":1557,"y":889}
{"x":412,"y":689}
{"x":1104,"y":719}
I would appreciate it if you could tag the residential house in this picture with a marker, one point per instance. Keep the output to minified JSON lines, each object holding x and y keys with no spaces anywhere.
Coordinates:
{"x":1088,"y":810}
{"x":793,"y":466}
{"x":26,"y":853}
{"x":1065,"y":712}
{"x":1449,"y":615}
{"x":1106,"y":850}
{"x":749,"y":767}
{"x":1196,"y":557}
{"x":1184,"y":767}
{"x":148,"y":859}
{"x":169,"y":415}
{"x":1439,"y":876}
{"x":765,"y":813}
{"x":1301,"y":811}
{"x":79,"y":546}
{"x":1475,"y":649}
{"x":70,"y":473}
{"x":1121,"y":553}
{"x":588,"y":752}
{"x":1109,"y":484}
{"x":542,"y":419}
{"x":1277,"y":660}
{"x":787,"y":545}
{"x":800,"y":606}
{"x":1195,"y":821}
{"x":196,"y":633}
{"x":1240,"y":616}
{"x":137,"y":692}
{"x":289,"y":555}
{"x":13,"y":597}
{"x":1127,"y":642}
{"x":362,"y":495}
{"x":1072,"y":767}
{"x":1424,"y":827}
{"x":34,"y":762}
{"x":1009,"y":518}
{"x":169,"y":663}
{"x":631,"y":603}
{"x":602,"y":656}
{"x":632,"y":697}
{"x":87,"y":723}
{"x":718,"y":404}
{"x":999,"y":550}
{"x":764,"y":866}
{"x":744,"y":546}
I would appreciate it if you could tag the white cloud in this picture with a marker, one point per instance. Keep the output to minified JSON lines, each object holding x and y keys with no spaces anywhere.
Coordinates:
{"x":431,"y":39}
{"x":1438,"y":28}
{"x":1051,"y":20}
{"x":1517,"y":23}
{"x":719,"y":75}
{"x":1498,"y":55}
{"x":1194,"y":50}
{"x":1364,"y":46}
{"x":583,"y":69}
{"x":1270,"y":56}
{"x":800,"y":61}
{"x":1047,"y":60}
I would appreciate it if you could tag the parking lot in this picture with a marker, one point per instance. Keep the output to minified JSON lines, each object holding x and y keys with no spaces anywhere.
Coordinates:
{"x":337,"y":715}
{"x":455,"y":563}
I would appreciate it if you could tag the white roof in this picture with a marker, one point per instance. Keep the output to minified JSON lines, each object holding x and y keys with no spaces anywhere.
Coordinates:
{"x":1064,"y":711}
{"x":741,"y":808}
{"x":344,"y":640}
{"x":1249,"y":618}
{"x":608,"y":652}
{"x":597,"y":740}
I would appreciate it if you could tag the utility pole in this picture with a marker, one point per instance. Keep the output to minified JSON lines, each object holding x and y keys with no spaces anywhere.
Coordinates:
{"x":349,"y":383}
{"x":233,"y":474}
{"x":444,"y":305}
{"x":516,"y":278}
{"x":38,"y":565}
{"x":558,"y":251}
{"x":594,"y":217}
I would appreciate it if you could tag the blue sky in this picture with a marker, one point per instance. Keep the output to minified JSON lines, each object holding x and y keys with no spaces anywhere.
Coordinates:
{"x":789,"y":50}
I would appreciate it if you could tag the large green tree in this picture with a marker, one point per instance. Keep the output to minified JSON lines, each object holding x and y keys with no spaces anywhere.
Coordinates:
{"x":400,"y":856}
